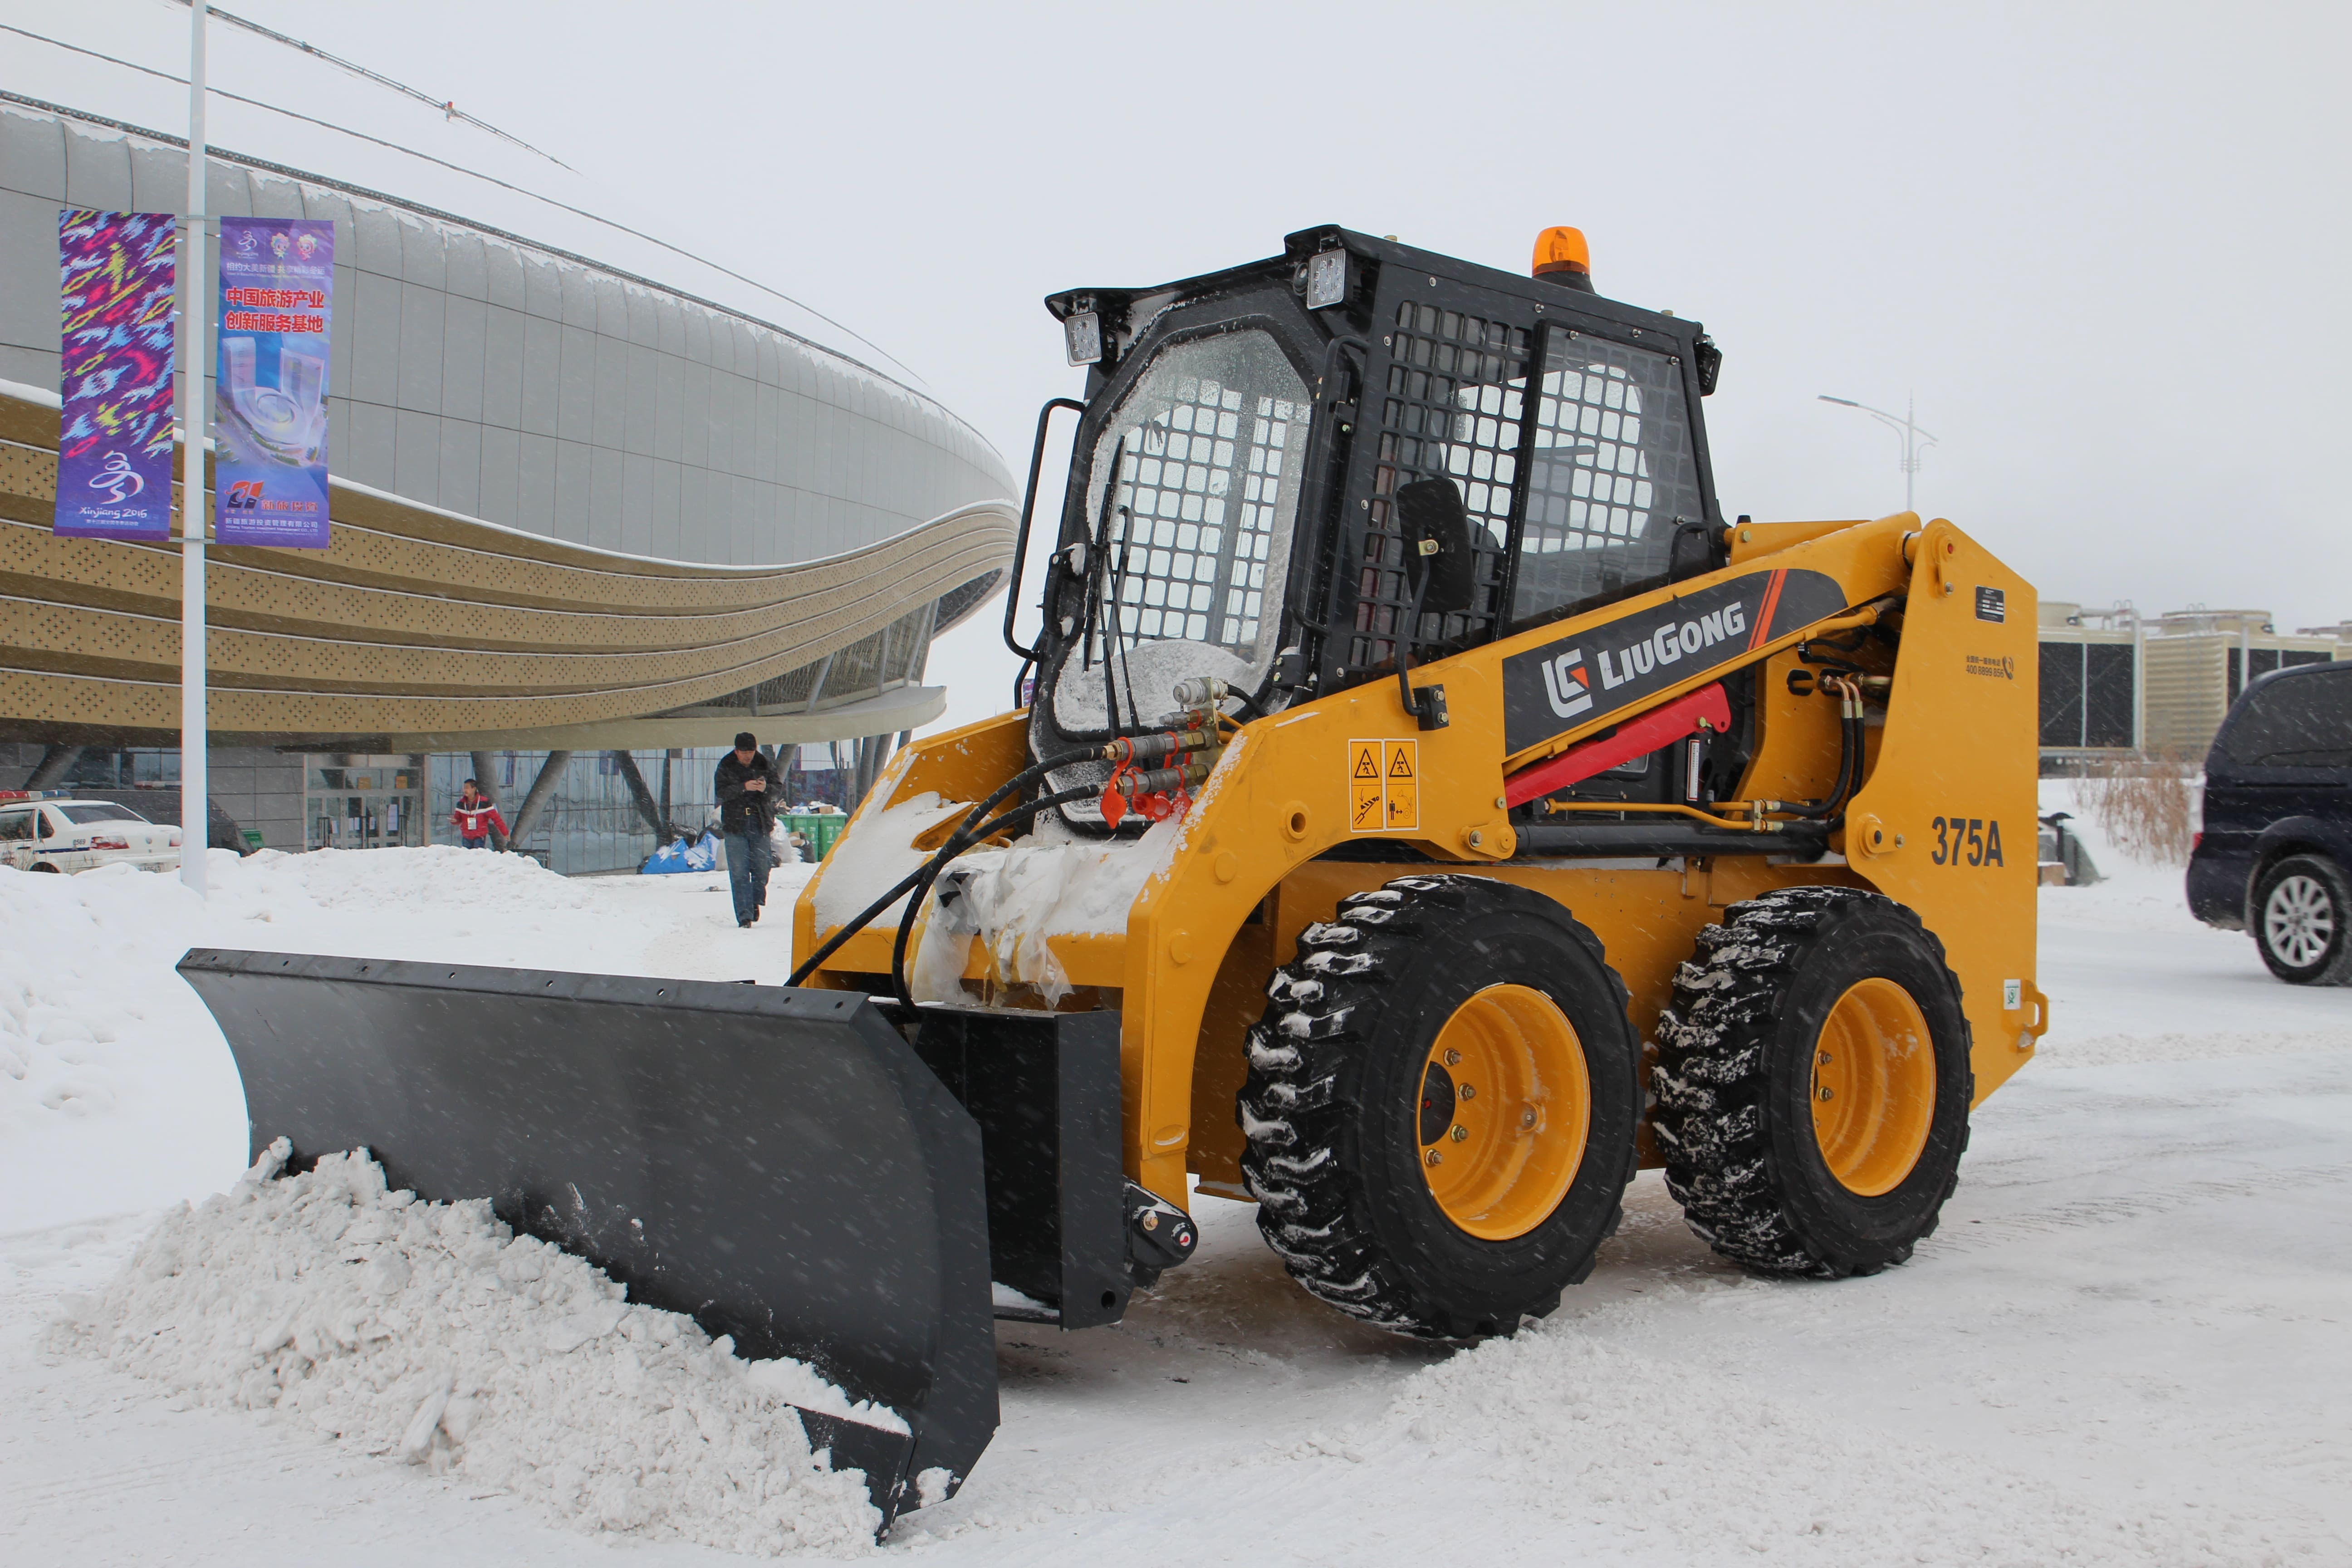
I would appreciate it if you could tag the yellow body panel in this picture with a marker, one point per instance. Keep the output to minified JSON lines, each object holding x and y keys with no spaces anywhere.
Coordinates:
{"x":1958,"y":743}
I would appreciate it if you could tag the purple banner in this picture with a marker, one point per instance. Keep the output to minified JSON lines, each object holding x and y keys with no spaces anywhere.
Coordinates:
{"x":116,"y":272}
{"x":269,"y":400}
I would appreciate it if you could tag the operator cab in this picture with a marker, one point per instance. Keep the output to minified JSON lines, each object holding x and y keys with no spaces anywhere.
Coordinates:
{"x":1319,"y":470}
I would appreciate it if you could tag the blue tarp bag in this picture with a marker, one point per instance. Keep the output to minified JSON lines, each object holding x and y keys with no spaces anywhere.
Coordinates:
{"x":679,"y":856}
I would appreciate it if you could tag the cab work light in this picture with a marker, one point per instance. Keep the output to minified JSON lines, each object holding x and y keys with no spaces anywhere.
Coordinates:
{"x":1083,"y":330}
{"x":1326,"y":279}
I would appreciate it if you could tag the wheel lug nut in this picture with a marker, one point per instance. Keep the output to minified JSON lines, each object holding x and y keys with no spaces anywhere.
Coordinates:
{"x":1460,"y":1132}
{"x":1828,"y":1093}
{"x":1454,"y":1058}
{"x":1527,"y":1117}
{"x":1469,"y":1091}
{"x":1435,"y":1158}
{"x":1825,"y":1058}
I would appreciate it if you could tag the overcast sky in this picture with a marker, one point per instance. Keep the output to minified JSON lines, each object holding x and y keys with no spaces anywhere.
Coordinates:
{"x":2102,"y":245}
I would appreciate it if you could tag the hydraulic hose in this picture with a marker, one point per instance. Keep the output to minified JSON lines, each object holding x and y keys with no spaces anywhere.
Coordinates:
{"x":977,"y":818}
{"x":930,"y":874}
{"x":1850,"y":758}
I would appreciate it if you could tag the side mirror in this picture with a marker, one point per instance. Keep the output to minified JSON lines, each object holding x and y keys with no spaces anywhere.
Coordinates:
{"x":1436,"y":528}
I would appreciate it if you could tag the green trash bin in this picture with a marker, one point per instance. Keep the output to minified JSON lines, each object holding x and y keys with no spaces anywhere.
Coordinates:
{"x":819,"y":829}
{"x":252,"y":839}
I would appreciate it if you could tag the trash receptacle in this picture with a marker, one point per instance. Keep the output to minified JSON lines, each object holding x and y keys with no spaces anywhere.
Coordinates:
{"x":819,"y":828}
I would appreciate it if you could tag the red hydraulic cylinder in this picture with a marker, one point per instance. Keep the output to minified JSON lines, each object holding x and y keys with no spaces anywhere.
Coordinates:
{"x":1706,"y":708}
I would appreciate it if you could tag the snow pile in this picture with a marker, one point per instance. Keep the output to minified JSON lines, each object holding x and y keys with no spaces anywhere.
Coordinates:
{"x":1603,"y":1438}
{"x":439,"y":876}
{"x":428,"y":1332}
{"x":54,"y":1024}
{"x":1014,"y":899}
{"x":74,"y":1036}
{"x":874,"y":851}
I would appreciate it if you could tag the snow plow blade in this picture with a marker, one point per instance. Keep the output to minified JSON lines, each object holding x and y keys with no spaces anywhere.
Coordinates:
{"x":778,"y":1164}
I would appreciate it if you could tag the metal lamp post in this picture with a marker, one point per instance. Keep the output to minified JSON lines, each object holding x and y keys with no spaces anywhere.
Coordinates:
{"x":1913,"y":438}
{"x":196,"y":799}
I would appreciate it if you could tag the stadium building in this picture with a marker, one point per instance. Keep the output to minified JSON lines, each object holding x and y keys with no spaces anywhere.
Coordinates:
{"x":586,"y":526}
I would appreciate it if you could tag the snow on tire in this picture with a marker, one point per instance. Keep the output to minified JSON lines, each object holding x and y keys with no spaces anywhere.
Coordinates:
{"x":1440,"y":1106}
{"x":1812,"y":1083}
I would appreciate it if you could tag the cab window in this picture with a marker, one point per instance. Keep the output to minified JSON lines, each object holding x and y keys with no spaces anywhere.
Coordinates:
{"x":15,"y":826}
{"x":1611,"y":472}
{"x":2293,"y":721}
{"x":98,"y":811}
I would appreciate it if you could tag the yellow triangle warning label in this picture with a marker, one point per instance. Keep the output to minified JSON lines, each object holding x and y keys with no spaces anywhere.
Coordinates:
{"x":1401,"y":763}
{"x":1366,"y":767}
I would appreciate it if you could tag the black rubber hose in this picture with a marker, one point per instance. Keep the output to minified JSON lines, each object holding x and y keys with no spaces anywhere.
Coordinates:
{"x":866,"y":916}
{"x":1849,"y":769}
{"x":938,"y":863}
{"x":1858,"y":735}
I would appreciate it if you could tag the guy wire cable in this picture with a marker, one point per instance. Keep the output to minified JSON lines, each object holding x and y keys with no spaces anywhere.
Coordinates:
{"x":218,"y":151}
{"x":449,"y":109}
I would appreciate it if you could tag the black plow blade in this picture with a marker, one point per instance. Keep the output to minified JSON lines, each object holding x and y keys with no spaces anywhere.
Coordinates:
{"x":777,"y":1163}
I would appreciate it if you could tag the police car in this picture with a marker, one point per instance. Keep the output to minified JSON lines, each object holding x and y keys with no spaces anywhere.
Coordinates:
{"x":51,"y":831}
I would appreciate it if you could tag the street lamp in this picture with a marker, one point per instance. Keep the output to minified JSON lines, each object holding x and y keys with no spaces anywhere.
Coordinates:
{"x":1913,"y":438}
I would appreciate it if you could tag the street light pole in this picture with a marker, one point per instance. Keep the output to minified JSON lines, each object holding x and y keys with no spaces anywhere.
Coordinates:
{"x":195,"y":796}
{"x":1913,"y":438}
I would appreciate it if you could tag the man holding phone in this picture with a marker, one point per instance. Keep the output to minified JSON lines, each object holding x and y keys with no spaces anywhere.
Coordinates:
{"x":746,"y":786}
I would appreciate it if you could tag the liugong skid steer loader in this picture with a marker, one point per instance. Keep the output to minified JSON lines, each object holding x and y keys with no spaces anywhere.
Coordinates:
{"x":1430,"y":810}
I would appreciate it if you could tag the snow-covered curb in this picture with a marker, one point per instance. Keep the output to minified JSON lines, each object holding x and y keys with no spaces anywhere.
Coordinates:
{"x":427,"y":1332}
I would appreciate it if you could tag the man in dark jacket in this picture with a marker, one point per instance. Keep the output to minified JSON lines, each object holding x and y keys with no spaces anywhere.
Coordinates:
{"x":747,"y":787}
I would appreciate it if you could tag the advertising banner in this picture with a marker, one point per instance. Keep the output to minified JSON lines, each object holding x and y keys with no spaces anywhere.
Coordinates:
{"x":270,"y":397}
{"x":116,"y":273}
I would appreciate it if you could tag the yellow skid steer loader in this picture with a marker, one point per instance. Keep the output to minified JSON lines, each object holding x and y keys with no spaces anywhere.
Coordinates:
{"x":1427,"y":810}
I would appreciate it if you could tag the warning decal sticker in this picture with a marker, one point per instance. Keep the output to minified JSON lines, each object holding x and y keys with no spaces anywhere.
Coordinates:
{"x":1383,"y":787}
{"x":1403,"y":784}
{"x":1366,"y":808}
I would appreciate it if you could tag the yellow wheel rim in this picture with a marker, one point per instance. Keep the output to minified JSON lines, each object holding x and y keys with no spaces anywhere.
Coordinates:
{"x":1874,"y":1087}
{"x":1505,"y":1103}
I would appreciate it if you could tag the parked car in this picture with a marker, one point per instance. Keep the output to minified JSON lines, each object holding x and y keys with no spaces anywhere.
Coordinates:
{"x":2277,"y":834}
{"x":162,"y":807}
{"x":70,"y":834}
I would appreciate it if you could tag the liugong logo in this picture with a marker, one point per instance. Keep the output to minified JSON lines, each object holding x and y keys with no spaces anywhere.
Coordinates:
{"x":1669,"y":643}
{"x":1565,"y":682}
{"x":1570,"y":686}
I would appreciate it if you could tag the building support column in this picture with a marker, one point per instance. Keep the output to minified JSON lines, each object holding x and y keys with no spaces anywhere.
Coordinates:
{"x":534,"y":802}
{"x":53,"y":766}
{"x":647,"y":806}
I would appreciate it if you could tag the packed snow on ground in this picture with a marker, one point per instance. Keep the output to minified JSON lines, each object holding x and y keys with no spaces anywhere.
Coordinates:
{"x":430,"y":1333}
{"x":2125,"y":1345}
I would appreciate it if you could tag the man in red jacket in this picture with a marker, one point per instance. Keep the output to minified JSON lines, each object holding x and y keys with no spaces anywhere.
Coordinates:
{"x":476,"y":815}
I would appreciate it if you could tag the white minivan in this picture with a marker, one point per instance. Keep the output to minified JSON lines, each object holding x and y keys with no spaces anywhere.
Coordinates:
{"x":70,"y":834}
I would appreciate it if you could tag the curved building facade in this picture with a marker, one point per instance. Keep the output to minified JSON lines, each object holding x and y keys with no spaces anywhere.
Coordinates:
{"x":573,"y":509}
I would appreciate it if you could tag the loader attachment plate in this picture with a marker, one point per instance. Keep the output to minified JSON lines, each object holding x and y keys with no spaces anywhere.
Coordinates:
{"x":778,"y":1164}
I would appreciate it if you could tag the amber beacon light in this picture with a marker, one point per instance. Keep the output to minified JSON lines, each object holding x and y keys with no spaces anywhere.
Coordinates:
{"x":1562,"y":256}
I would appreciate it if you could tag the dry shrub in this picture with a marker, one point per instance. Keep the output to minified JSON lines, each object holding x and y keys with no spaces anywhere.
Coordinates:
{"x":2145,"y":804}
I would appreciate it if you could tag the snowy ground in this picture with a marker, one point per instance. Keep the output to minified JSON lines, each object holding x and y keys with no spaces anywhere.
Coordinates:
{"x":2127,"y":1344}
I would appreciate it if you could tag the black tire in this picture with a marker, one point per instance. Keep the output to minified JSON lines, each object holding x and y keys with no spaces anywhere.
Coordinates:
{"x":1735,"y":1080}
{"x":1338,"y":1105}
{"x":2301,"y":916}
{"x":45,"y":865}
